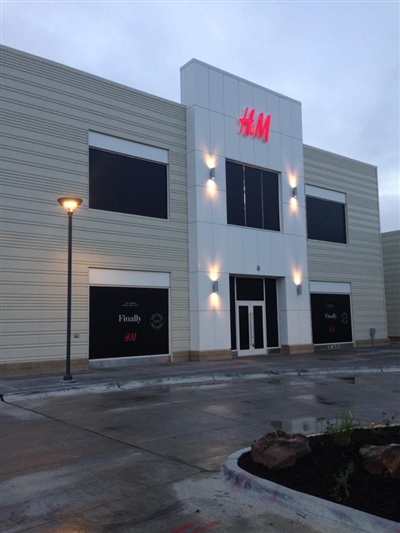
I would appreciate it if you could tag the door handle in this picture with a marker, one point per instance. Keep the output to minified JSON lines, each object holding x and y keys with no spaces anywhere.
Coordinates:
{"x":251,"y":329}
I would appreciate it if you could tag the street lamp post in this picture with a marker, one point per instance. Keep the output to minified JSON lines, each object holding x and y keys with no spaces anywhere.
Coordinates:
{"x":70,"y":205}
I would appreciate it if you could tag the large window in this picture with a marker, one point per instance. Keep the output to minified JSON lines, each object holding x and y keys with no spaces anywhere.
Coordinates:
{"x":331,"y":318}
{"x":127,"y":321}
{"x":252,"y":197}
{"x":326,"y":215}
{"x":120,"y":181}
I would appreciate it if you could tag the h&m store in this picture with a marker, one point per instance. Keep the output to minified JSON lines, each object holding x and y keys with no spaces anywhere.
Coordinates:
{"x":208,"y":230}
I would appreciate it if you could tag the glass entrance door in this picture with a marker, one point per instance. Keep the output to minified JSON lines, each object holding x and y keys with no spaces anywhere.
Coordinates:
{"x":250,"y":328}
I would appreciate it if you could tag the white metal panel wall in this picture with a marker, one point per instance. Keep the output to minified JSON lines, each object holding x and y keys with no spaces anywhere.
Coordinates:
{"x":47,"y":112}
{"x":358,"y":262}
{"x":391,"y":270}
{"x":216,"y":100}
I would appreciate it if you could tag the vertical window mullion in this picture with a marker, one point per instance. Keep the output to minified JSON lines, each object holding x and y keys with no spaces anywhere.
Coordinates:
{"x":262,"y":199}
{"x":244,"y":195}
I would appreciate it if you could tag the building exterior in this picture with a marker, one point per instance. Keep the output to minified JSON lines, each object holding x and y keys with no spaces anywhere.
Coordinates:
{"x":207,"y":229}
{"x":391,"y":271}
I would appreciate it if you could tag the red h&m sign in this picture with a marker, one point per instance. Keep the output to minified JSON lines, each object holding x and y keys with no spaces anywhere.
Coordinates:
{"x":248,"y":125}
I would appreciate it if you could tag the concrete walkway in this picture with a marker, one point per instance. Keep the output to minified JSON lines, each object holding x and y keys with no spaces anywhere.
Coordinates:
{"x":122,"y":451}
{"x":145,"y":372}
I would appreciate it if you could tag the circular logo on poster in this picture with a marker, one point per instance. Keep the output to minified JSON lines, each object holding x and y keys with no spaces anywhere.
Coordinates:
{"x":156,"y":321}
{"x":344,"y":317}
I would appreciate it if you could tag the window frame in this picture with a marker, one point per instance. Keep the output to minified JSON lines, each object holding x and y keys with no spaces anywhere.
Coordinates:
{"x":244,"y":205}
{"x":331,"y":196}
{"x":132,"y":150}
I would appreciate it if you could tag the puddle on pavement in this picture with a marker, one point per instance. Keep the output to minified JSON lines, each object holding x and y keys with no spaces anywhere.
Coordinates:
{"x":307,"y":425}
{"x":325,"y":401}
{"x":349,"y":379}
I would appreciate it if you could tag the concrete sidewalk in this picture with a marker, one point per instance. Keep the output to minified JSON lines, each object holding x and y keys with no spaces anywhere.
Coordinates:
{"x":148,"y":372}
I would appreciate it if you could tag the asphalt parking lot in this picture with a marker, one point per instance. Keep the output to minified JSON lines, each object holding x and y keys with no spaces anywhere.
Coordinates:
{"x":148,"y":460}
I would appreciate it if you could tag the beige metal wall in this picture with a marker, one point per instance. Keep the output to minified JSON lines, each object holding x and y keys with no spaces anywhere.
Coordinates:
{"x":391,"y":270}
{"x":47,"y":112}
{"x":358,"y":262}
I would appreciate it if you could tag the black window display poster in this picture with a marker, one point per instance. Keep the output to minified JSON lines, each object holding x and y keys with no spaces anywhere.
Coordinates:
{"x":127,"y":322}
{"x":331,"y":318}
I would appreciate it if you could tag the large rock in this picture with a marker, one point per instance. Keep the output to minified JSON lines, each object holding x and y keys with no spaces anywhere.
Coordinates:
{"x":382,"y":460}
{"x":279,"y":450}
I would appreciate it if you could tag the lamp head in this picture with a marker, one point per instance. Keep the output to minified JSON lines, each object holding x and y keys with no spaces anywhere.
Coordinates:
{"x":69,"y":204}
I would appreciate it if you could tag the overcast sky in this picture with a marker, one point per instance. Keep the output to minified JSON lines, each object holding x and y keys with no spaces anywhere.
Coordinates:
{"x":340,"y":59}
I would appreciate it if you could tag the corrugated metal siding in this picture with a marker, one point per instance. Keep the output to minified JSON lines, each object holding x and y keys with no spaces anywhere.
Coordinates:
{"x":360,"y":260}
{"x":391,"y":270}
{"x":47,"y":111}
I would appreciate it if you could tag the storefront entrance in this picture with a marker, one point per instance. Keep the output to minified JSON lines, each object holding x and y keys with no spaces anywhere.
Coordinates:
{"x":254,"y":315}
{"x":251,"y":328}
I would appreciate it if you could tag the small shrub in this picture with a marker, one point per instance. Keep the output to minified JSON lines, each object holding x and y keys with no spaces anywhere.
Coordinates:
{"x":387,"y":421}
{"x":341,"y":491}
{"x":342,"y":429}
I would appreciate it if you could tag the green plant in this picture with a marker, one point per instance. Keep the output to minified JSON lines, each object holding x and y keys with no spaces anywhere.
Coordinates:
{"x":341,"y":490}
{"x":386,"y":421}
{"x":341,"y":429}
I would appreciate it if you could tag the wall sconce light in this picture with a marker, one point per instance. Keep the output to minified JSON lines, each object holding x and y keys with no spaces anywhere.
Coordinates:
{"x":294,"y":192}
{"x":215,"y":286}
{"x":212,"y":173}
{"x":299,"y":289}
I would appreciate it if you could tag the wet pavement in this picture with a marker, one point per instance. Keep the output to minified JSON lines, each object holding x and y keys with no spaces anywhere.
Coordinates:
{"x":146,"y":457}
{"x":148,"y":371}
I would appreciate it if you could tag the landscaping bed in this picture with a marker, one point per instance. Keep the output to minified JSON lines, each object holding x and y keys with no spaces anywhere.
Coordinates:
{"x":317,"y":473}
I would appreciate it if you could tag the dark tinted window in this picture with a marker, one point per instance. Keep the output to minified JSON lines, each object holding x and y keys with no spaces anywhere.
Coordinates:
{"x":272,"y":313}
{"x":270,"y":196}
{"x":127,"y":321}
{"x":249,"y":289}
{"x":234,"y":194}
{"x":233,"y":311}
{"x":244,"y":333}
{"x":331,"y":318}
{"x":252,"y":196}
{"x":126,"y":184}
{"x":253,"y":203}
{"x":326,"y":220}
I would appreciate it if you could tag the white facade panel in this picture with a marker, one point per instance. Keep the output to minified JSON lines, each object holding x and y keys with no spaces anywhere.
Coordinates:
{"x":250,"y":255}
{"x":126,"y":278}
{"x":326,"y":194}
{"x":236,"y":249}
{"x":122,"y":146}
{"x":216,"y":80}
{"x":248,"y":251}
{"x":330,"y":287}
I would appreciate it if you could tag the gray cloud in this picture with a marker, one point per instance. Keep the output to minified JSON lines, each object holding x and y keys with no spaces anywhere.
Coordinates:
{"x":340,"y":59}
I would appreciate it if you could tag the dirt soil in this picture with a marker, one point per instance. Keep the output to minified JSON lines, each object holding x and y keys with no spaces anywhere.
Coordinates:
{"x":316,"y":473}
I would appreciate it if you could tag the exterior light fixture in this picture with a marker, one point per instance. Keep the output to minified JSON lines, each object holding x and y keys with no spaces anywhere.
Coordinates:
{"x":70,"y":205}
{"x":299,"y":289}
{"x":294,"y":192}
{"x":212,"y":173}
{"x":215,"y":286}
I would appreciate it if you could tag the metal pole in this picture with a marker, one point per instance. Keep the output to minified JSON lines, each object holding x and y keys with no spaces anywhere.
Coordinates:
{"x":68,"y":376}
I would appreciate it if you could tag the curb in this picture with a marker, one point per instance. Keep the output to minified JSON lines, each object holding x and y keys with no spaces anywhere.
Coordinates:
{"x":66,"y":389}
{"x":321,"y":514}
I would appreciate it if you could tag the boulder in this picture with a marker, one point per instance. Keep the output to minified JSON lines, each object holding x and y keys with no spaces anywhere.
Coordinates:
{"x":382,"y":460}
{"x":279,"y":449}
